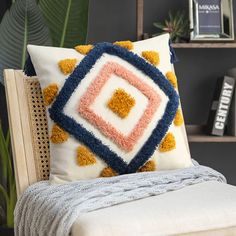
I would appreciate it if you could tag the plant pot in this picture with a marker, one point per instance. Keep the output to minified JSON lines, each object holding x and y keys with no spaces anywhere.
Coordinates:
{"x":4,"y":231}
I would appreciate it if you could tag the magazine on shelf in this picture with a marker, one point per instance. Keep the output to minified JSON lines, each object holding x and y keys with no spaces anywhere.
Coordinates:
{"x":231,"y":123}
{"x":221,"y":105}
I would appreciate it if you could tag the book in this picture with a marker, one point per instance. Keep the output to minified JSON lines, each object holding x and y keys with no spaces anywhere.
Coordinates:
{"x":231,"y":123}
{"x":221,"y":105}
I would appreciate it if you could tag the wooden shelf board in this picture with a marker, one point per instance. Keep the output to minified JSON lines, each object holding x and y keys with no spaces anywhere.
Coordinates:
{"x":210,"y":139}
{"x":196,"y":134}
{"x":205,"y":45}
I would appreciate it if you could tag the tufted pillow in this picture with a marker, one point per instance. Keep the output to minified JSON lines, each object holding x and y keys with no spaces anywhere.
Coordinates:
{"x":112,"y":109}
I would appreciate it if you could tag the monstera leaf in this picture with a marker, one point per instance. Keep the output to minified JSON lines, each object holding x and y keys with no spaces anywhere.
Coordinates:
{"x":23,"y":24}
{"x":67,"y":21}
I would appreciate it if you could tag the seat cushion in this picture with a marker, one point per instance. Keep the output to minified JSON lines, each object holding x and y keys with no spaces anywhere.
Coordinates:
{"x":201,"y":209}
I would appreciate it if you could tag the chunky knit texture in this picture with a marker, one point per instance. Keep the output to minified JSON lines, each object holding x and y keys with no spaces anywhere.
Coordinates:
{"x":51,"y":210}
{"x":87,"y":138}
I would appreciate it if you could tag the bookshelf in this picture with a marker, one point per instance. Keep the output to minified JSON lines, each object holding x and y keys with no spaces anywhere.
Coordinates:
{"x":197,"y":134}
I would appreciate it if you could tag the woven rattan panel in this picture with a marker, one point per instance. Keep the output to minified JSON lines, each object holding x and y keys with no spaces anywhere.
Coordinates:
{"x":39,"y":128}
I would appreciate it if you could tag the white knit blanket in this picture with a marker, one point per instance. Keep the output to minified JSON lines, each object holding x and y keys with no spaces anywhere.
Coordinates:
{"x":51,"y":210}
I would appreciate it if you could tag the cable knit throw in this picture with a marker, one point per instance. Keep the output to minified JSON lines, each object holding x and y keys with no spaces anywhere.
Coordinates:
{"x":45,"y":209}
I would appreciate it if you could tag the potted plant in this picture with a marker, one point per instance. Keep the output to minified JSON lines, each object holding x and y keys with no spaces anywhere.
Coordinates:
{"x":18,"y":25}
{"x":17,"y":29}
{"x":177,"y":25}
{"x":7,"y":186}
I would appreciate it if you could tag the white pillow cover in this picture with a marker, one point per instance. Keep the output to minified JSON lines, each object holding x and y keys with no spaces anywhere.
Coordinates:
{"x":110,"y":109}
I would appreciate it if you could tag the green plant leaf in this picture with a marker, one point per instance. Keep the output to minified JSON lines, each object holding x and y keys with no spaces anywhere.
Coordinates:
{"x":2,"y":212}
{"x":67,"y":21}
{"x":3,"y":158}
{"x":177,"y":25}
{"x":159,"y":25}
{"x":8,"y":139}
{"x":22,"y":24}
{"x":11,"y":205}
{"x":4,"y":194}
{"x":171,"y":16}
{"x":7,"y":178}
{"x":7,"y":185}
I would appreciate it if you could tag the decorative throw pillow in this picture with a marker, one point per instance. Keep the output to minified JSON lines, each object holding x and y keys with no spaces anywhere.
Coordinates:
{"x":112,"y":109}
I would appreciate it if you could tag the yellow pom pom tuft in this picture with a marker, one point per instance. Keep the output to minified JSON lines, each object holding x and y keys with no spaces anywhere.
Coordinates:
{"x":108,"y":172}
{"x":148,"y":166}
{"x":58,"y":135}
{"x":49,"y":93}
{"x":125,"y":44}
{"x":84,"y":49}
{"x":168,"y":143}
{"x":172,"y":78}
{"x":67,"y":66}
{"x":179,"y":120}
{"x":152,"y":57}
{"x":121,"y":103}
{"x":85,"y":157}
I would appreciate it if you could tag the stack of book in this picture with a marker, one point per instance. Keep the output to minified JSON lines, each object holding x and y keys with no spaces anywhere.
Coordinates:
{"x":222,"y":117}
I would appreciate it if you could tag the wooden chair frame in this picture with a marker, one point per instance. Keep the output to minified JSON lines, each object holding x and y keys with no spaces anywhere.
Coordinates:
{"x":28,"y":128}
{"x":27,"y":168}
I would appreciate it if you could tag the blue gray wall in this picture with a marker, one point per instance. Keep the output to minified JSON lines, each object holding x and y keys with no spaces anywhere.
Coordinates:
{"x":197,"y":69}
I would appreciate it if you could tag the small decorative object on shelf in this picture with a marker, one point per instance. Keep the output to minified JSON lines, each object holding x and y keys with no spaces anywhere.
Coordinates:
{"x":211,"y":20}
{"x":221,"y":105}
{"x":231,"y":124}
{"x":177,"y":26}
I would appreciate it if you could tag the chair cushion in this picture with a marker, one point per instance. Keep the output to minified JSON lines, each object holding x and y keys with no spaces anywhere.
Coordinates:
{"x":202,"y":209}
{"x":113,"y":111}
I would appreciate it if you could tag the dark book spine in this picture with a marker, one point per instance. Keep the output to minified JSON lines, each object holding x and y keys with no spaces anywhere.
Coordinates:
{"x":221,"y":105}
{"x":231,"y":123}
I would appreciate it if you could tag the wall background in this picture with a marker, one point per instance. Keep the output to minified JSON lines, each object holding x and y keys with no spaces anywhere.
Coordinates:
{"x":197,"y":70}
{"x":4,"y":4}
